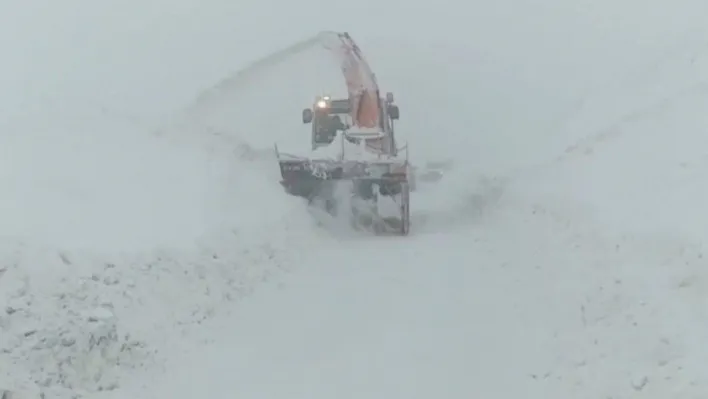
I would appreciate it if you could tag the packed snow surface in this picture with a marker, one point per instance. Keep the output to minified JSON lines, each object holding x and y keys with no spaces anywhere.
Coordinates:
{"x":148,"y":251}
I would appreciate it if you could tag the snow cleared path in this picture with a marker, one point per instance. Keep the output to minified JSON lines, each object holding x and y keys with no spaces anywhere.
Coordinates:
{"x":477,"y":310}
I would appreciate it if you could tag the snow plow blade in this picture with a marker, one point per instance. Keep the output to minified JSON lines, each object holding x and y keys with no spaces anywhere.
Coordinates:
{"x":317,"y":181}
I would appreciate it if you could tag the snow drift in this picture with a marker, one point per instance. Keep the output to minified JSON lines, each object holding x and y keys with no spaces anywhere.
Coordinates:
{"x":115,"y":240}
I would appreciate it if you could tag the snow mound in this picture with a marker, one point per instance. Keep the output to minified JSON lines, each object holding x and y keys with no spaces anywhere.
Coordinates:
{"x":88,"y":322}
{"x":60,"y":330}
{"x":117,"y":244}
{"x":85,"y":180}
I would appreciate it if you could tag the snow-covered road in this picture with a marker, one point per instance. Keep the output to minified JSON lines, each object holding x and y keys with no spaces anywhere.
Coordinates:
{"x":480,"y":310}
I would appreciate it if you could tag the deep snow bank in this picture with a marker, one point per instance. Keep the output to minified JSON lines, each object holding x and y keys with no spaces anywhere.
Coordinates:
{"x":69,"y":175}
{"x":115,"y":243}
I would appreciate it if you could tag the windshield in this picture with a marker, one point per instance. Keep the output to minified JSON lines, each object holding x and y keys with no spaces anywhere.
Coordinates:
{"x":331,"y":121}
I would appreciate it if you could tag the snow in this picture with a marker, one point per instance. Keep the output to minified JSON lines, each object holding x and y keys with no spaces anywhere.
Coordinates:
{"x":341,"y":148}
{"x":115,"y":243}
{"x":148,"y":251}
{"x":88,"y":169}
